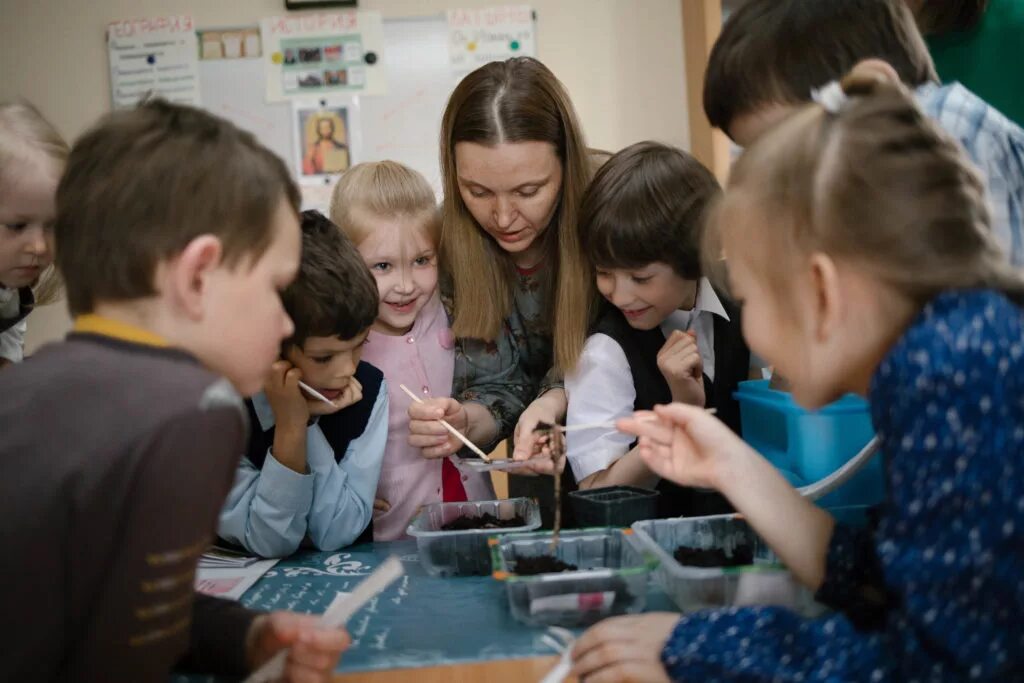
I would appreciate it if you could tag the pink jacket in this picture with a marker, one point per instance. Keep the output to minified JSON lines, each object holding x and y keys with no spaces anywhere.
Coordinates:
{"x":423,"y":360}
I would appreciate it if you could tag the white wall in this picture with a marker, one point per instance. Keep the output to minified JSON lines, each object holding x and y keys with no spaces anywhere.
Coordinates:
{"x":622,"y":61}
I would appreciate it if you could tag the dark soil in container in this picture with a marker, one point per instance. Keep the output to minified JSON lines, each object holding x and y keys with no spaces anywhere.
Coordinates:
{"x":715,"y":557}
{"x":542,"y":564}
{"x":484,"y":521}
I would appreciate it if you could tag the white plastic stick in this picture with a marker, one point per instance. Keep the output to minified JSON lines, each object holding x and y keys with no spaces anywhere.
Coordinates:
{"x":314,"y":393}
{"x":337,"y":614}
{"x":561,"y":670}
{"x":455,"y":432}
{"x":608,"y":425}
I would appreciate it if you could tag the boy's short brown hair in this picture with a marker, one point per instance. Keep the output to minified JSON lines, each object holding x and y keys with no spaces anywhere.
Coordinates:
{"x":143,"y":183}
{"x":334,"y":293}
{"x":776,"y":51}
{"x":647,"y":204}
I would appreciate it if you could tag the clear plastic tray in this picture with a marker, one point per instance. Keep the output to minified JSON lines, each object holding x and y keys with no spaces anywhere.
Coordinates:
{"x":611,"y":579}
{"x":765,"y":582}
{"x":613,"y":505}
{"x":462,"y":553}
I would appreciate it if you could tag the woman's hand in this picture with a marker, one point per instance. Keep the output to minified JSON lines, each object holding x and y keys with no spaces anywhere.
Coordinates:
{"x":549,"y":408}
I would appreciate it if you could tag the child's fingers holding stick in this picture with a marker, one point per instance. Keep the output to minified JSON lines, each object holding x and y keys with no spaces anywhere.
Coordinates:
{"x":683,"y":443}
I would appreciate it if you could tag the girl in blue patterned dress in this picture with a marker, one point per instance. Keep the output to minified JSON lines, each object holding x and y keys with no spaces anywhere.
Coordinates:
{"x":858,"y":240}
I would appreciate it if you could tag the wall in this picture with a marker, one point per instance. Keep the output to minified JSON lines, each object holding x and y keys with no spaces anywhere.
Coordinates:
{"x":622,"y":61}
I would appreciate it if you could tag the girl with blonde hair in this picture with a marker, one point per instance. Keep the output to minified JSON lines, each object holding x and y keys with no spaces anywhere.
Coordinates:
{"x":858,"y":238}
{"x":390,"y":213}
{"x":32,"y":158}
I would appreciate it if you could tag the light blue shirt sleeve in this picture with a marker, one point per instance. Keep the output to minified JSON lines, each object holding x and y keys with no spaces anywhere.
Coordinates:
{"x":343,"y":492}
{"x":266,"y":511}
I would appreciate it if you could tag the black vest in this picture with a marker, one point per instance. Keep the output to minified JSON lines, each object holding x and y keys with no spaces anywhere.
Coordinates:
{"x":732,"y":366}
{"x":340,"y":428}
{"x":26,"y":302}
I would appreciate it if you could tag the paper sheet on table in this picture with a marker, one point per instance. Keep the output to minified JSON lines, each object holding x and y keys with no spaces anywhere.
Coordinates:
{"x":230,"y":582}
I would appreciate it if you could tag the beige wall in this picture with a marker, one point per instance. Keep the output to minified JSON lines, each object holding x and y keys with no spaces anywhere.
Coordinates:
{"x":622,"y":61}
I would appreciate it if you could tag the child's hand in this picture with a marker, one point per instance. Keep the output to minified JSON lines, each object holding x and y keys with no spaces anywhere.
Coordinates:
{"x":291,"y":409}
{"x":685,"y":444}
{"x":680,"y":363}
{"x":624,"y":648}
{"x":314,"y":651}
{"x":549,"y":408}
{"x":353,"y":393}
{"x":380,"y":505}
{"x":426,"y":431}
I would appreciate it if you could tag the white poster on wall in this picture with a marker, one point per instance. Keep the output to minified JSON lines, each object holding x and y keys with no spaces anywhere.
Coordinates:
{"x":310,"y":55}
{"x":479,"y":36}
{"x":155,"y":56}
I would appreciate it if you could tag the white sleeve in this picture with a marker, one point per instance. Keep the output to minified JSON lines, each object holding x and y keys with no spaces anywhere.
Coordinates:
{"x":599,"y":390}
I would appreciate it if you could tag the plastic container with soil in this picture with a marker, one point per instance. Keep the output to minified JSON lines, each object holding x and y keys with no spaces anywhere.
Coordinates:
{"x":613,"y":506}
{"x":463,"y":551}
{"x":719,"y":540}
{"x":607,"y":575}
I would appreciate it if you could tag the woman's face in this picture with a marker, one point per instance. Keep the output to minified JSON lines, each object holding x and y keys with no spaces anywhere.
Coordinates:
{"x":511,"y":190}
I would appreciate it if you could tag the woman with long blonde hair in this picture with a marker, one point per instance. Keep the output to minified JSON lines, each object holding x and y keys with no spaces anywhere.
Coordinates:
{"x":515,"y":166}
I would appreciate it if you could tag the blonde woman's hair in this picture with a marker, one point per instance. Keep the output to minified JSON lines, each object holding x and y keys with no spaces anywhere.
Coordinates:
{"x":518,"y":100}
{"x":24,"y":135}
{"x":877,"y":184}
{"x":383,"y":188}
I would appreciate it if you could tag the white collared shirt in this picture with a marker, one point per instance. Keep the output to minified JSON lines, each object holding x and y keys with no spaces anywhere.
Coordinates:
{"x":600,"y":389}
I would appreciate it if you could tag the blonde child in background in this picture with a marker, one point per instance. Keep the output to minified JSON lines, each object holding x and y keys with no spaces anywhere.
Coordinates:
{"x":32,"y":158}
{"x":390,"y":212}
{"x":859,"y":240}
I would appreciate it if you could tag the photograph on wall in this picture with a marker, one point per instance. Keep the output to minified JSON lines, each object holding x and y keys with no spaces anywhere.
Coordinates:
{"x":324,"y":146}
{"x":323,"y":54}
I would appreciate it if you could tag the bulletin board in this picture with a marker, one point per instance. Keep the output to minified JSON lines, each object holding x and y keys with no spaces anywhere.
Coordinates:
{"x":404,"y":124}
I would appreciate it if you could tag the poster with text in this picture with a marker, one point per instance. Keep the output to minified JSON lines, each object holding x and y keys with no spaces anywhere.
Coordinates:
{"x":153,"y":57}
{"x":324,"y":53}
{"x":479,"y":36}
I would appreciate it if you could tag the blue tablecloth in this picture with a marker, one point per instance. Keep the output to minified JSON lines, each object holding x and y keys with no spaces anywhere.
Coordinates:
{"x":419,"y":621}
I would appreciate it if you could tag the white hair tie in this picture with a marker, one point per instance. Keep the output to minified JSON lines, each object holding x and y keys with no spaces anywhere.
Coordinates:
{"x":831,"y":97}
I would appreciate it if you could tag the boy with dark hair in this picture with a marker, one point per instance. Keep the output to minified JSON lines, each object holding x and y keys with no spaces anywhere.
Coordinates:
{"x":312,"y":467}
{"x":175,"y":231}
{"x":772,"y":54}
{"x":666,"y":334}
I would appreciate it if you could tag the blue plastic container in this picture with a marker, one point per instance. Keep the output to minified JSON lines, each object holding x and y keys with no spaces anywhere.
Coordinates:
{"x":809,"y":445}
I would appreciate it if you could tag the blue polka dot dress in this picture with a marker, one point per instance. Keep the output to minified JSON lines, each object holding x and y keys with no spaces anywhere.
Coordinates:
{"x":935,"y":592}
